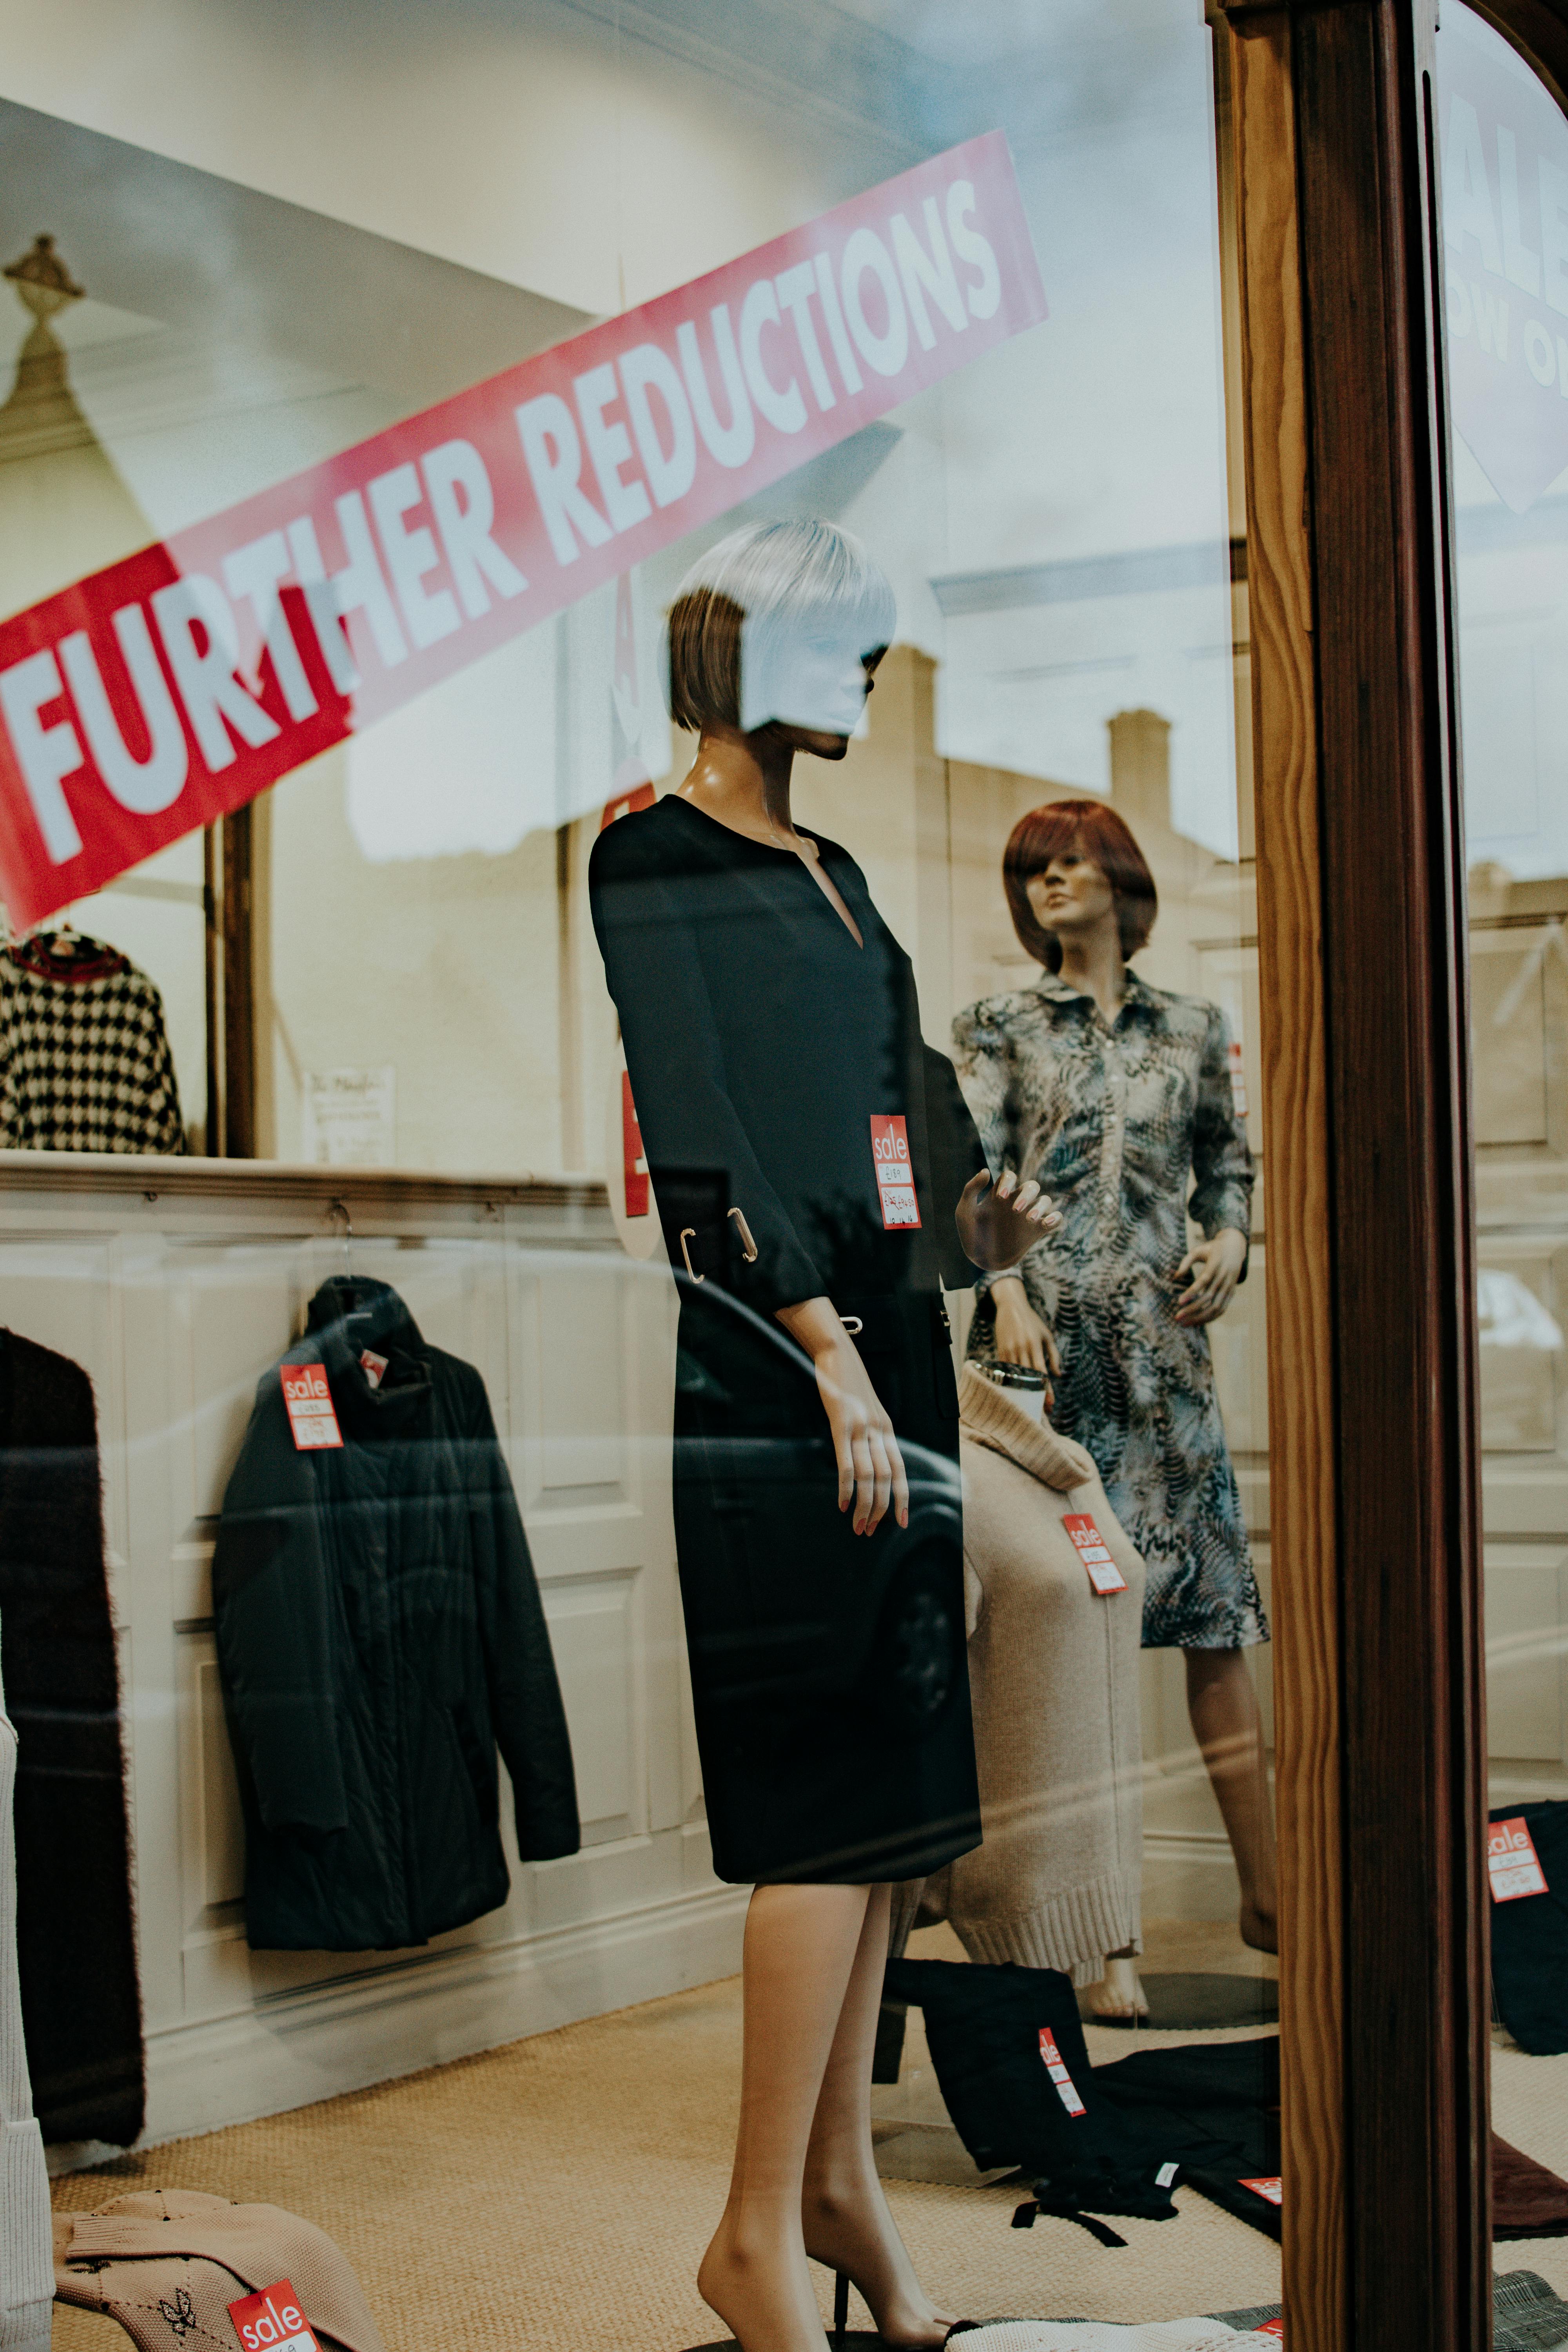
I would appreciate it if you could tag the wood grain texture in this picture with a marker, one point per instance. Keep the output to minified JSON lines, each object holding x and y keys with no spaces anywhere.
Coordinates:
{"x":1305,"y":1595}
{"x":1412,"y":1738}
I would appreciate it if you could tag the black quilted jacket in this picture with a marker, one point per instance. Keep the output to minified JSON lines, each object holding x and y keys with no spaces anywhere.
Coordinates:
{"x":379,"y":1634}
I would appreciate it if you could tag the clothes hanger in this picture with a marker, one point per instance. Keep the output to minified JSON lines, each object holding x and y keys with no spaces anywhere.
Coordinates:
{"x":340,"y":1209}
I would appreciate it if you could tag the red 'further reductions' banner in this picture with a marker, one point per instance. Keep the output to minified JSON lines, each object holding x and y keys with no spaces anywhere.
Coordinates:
{"x":171,"y":687}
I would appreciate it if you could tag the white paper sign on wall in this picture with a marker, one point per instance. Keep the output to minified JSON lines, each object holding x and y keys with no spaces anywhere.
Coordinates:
{"x":347,"y":1118}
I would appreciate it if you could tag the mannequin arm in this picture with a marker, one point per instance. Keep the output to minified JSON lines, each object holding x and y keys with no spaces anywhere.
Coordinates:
{"x":870,"y":1467}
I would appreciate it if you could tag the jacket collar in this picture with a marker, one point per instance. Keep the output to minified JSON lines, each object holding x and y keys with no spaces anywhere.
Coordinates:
{"x":349,"y":1314}
{"x":989,"y":1415}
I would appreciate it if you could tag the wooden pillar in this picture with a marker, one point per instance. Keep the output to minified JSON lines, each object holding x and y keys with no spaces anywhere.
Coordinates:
{"x":1371,"y":1377}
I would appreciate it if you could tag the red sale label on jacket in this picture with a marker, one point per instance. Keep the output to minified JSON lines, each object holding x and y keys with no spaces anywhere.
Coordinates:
{"x":1271,"y":2328}
{"x":1271,"y":2191}
{"x":895,"y":1171}
{"x":272,"y":2321}
{"x":1066,"y":2091}
{"x":1513,"y":1866}
{"x":1104,"y":1573}
{"x":310,"y":1403}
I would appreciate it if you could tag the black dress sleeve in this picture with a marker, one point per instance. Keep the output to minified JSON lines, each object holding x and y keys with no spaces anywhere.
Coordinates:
{"x":694,"y":1139}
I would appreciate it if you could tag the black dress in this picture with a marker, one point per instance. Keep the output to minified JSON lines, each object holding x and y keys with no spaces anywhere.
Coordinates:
{"x":766,"y":1050}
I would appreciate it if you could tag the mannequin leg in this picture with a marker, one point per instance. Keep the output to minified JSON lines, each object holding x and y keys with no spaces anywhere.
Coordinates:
{"x":845,"y":2213}
{"x":1226,"y":1726}
{"x":800,"y":1951}
{"x":1120,"y":1992}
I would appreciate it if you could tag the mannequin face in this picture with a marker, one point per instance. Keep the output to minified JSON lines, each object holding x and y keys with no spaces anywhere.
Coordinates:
{"x":821,"y":687}
{"x":1072,"y":897}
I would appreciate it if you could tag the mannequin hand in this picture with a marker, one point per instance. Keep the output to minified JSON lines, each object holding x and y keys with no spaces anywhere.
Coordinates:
{"x":1022,"y":1336}
{"x":870,"y":1467}
{"x":999,"y":1224}
{"x":1215,"y":1268}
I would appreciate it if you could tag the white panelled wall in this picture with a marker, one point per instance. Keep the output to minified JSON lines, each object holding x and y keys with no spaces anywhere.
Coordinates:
{"x":175,"y":1286}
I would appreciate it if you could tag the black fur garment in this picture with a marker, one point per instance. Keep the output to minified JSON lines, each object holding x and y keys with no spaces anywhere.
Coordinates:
{"x":76,"y":1940}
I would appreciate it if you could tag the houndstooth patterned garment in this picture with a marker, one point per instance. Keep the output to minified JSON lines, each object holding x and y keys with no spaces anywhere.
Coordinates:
{"x":85,"y":1064}
{"x":1113,"y":1119}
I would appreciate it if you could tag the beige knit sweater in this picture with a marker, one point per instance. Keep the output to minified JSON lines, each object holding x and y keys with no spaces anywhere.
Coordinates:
{"x":1053,"y":1668}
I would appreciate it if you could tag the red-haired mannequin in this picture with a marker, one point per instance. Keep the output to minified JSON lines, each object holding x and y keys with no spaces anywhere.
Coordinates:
{"x":1083,"y":902}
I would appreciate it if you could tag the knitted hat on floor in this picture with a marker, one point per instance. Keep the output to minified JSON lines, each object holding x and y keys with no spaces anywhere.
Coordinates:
{"x":167,"y":2264}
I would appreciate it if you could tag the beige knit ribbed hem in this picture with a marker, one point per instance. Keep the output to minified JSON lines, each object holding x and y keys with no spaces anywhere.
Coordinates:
{"x":1072,"y":1931}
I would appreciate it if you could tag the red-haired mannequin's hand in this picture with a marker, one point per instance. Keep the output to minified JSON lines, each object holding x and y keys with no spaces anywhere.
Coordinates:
{"x":1214,"y":1267}
{"x":1000,"y":1223}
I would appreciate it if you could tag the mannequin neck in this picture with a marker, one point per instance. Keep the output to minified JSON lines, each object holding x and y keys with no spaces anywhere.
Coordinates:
{"x":744,"y":781}
{"x":1092,"y":961}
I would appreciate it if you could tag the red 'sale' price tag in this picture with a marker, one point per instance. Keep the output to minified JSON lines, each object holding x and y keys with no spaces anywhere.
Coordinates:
{"x":310,"y":1403}
{"x":1271,"y":2191}
{"x":1271,"y":2328}
{"x":373,"y":1366}
{"x":1066,"y":2091}
{"x":1104,"y":1573}
{"x":895,"y":1171}
{"x":1512,"y":1863}
{"x":272,"y":2321}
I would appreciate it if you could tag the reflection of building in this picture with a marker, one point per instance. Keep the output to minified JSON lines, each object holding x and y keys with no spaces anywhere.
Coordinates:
{"x":1519,"y":1011}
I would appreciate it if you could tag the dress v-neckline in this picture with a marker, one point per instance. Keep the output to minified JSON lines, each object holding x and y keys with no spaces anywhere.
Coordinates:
{"x":842,"y":912}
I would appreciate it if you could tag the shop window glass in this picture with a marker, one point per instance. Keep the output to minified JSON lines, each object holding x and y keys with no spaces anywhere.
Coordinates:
{"x":384,"y":993}
{"x":1505,"y":164}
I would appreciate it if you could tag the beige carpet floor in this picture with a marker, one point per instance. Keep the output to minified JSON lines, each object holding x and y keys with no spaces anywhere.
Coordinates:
{"x":559,"y":2192}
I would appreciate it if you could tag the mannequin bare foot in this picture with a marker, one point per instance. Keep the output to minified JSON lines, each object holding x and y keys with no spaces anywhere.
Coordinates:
{"x":1119,"y":1992}
{"x":754,"y":2275}
{"x":850,"y":2229}
{"x":1259,"y":1928}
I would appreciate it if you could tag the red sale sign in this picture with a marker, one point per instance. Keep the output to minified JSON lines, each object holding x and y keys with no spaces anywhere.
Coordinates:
{"x":173,"y":687}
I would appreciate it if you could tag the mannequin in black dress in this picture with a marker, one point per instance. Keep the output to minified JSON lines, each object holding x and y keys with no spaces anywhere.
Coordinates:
{"x":772,"y":1039}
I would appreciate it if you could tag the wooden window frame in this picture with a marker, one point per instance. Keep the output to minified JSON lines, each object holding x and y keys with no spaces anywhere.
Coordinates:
{"x":1379,"y":1664}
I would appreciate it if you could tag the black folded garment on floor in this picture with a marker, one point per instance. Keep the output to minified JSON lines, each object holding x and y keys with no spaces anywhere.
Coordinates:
{"x":1014,"y":2070}
{"x":1187,"y":2100}
{"x":1530,"y":1938}
{"x":1215,"y":2107}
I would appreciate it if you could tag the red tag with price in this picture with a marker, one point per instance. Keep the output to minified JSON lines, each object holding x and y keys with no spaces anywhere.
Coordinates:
{"x":895,"y":1170}
{"x":1066,"y":2090}
{"x":272,"y":2321}
{"x":310,"y":1403}
{"x":1513,"y":1866}
{"x":1271,"y":2191}
{"x":1104,"y":1573}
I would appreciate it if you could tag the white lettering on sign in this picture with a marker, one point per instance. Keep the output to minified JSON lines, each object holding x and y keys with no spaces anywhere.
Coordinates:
{"x":273,"y":2321}
{"x":895,"y":1171}
{"x":1066,"y":2090}
{"x":1513,"y":1866}
{"x":1271,"y":2191}
{"x":172,"y":688}
{"x":308,"y":1402}
{"x":1090,"y":1545}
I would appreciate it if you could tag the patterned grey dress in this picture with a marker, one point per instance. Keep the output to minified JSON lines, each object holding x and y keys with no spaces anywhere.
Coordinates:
{"x":1113,"y":1119}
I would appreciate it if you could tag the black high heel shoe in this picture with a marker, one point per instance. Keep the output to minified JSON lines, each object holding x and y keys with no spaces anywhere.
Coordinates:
{"x":841,"y":2339}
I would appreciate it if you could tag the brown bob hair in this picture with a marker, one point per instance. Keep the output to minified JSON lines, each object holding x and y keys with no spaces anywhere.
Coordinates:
{"x":1097,"y":832}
